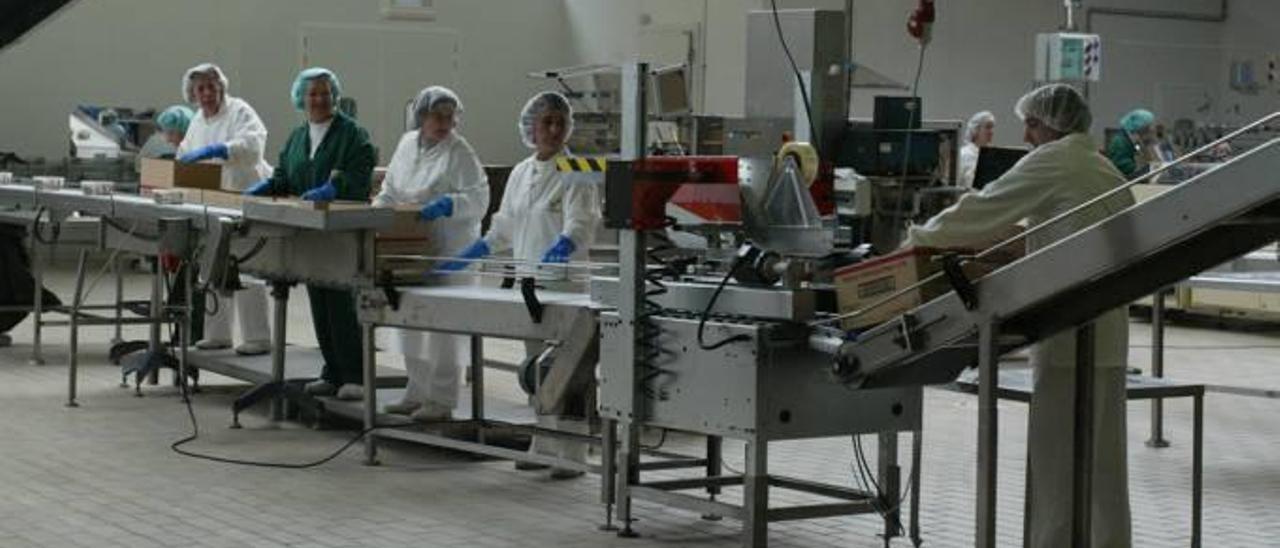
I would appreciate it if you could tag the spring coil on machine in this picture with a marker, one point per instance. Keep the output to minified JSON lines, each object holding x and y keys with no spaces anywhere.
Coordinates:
{"x":649,"y":332}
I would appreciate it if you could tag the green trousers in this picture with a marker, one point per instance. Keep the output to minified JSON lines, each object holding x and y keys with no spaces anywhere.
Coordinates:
{"x":333,"y":312}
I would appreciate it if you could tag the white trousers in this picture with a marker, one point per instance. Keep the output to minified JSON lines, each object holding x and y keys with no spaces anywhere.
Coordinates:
{"x":433,"y":362}
{"x":1050,"y":428}
{"x":250,"y":304}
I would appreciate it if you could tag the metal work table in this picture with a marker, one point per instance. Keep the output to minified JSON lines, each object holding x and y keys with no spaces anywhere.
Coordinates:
{"x":1015,"y":385}
{"x":478,"y":312}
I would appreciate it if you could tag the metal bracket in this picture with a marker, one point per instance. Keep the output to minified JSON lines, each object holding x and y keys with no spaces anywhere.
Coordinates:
{"x":955,"y":276}
{"x":527,"y":288}
{"x":909,"y":339}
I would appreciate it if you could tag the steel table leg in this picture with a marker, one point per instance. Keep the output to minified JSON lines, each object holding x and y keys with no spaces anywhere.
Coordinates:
{"x":74,"y":358}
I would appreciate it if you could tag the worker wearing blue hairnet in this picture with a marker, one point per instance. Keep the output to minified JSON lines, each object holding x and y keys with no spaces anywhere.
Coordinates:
{"x":546,"y":216}
{"x":227,"y":131}
{"x":1063,"y":171}
{"x":434,"y":168}
{"x":1127,"y":149}
{"x":171,"y":128}
{"x":329,"y":157}
{"x":978,"y":133}
{"x":173,"y":122}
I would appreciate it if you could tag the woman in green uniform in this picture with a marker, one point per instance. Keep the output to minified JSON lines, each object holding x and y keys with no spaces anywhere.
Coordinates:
{"x":327,"y":158}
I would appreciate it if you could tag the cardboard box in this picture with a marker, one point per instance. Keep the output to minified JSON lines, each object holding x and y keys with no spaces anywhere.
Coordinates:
{"x":407,"y":234}
{"x":218,"y":198}
{"x":863,"y":284}
{"x":171,"y":174}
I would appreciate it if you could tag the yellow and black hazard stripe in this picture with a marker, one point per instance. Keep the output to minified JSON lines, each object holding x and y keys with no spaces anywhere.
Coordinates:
{"x":581,"y":165}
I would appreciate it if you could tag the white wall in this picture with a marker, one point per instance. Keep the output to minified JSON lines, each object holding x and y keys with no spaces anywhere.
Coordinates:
{"x":134,"y":52}
{"x":981,"y":56}
{"x":1251,"y":33}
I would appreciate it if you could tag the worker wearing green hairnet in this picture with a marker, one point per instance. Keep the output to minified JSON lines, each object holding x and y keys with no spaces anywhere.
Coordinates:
{"x":1126,"y":149}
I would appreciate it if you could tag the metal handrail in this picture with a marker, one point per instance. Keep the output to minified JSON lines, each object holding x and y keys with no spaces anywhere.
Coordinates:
{"x":1035,"y":229}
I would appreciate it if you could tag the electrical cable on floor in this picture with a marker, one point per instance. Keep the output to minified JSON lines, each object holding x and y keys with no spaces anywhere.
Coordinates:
{"x":177,"y":446}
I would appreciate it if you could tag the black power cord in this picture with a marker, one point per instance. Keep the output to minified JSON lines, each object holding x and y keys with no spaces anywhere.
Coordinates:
{"x":706,"y":313}
{"x":177,"y":446}
{"x":804,"y":90}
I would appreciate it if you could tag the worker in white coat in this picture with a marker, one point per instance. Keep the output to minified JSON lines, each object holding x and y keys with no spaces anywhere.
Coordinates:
{"x":226,"y":130}
{"x":546,"y":217}
{"x":1063,"y":171}
{"x":435,"y":169}
{"x":978,"y":133}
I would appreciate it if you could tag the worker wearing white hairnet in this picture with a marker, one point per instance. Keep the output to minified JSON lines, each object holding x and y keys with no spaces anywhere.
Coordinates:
{"x":1063,"y":171}
{"x":978,"y":133}
{"x":435,"y":169}
{"x":546,"y":216}
{"x":226,"y":130}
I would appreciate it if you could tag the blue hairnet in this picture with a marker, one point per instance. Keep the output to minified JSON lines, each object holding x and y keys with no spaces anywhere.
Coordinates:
{"x":434,"y":97}
{"x":1137,"y":120}
{"x":1058,"y":106}
{"x":306,"y":76}
{"x":540,"y":104}
{"x":208,"y":70}
{"x":175,"y":118}
{"x":975,"y":122}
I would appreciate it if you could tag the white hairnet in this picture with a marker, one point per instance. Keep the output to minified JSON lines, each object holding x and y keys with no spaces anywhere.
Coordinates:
{"x":976,"y":122}
{"x":540,"y":104}
{"x":1058,"y":106}
{"x":208,"y":70}
{"x":433,"y":98}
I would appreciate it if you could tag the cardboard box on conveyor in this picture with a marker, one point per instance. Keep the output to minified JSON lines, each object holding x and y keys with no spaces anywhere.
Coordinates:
{"x":157,"y":173}
{"x":861,"y":285}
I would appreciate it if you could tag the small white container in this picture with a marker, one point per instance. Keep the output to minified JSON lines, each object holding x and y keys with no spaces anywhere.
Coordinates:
{"x":97,"y":188}
{"x":6,"y":177}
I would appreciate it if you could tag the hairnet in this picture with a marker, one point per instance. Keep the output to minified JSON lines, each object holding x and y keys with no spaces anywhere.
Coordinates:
{"x":209,"y":70}
{"x":975,"y":122}
{"x":540,"y":104}
{"x":1137,"y":120}
{"x":300,"y":83}
{"x":433,"y":98}
{"x":175,"y":118}
{"x":1058,"y":106}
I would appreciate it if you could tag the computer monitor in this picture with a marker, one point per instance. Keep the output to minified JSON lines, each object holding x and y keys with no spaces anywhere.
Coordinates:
{"x":993,"y":162}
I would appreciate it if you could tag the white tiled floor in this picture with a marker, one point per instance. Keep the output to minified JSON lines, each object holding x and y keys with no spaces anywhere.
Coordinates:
{"x":103,"y":474}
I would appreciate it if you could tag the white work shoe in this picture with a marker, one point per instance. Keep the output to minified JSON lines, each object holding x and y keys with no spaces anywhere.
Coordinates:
{"x":254,"y":348}
{"x":403,"y":407}
{"x":351,"y":392}
{"x":320,"y":387}
{"x":213,"y":344}
{"x":432,"y":412}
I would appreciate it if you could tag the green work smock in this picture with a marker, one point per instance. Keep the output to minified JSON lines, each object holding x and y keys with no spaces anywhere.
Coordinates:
{"x":1122,"y":154}
{"x":347,"y":150}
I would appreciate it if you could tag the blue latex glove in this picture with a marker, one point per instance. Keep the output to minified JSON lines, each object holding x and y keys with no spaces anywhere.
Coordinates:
{"x":478,"y":249}
{"x":437,"y":208}
{"x":260,"y":188}
{"x":560,"y":251}
{"x":216,"y":150}
{"x":323,"y":193}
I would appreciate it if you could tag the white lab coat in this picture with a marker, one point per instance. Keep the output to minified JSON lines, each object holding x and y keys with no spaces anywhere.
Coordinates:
{"x":968,"y":166}
{"x":539,"y":205}
{"x":1050,"y":180}
{"x":415,"y":177}
{"x":237,"y":125}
